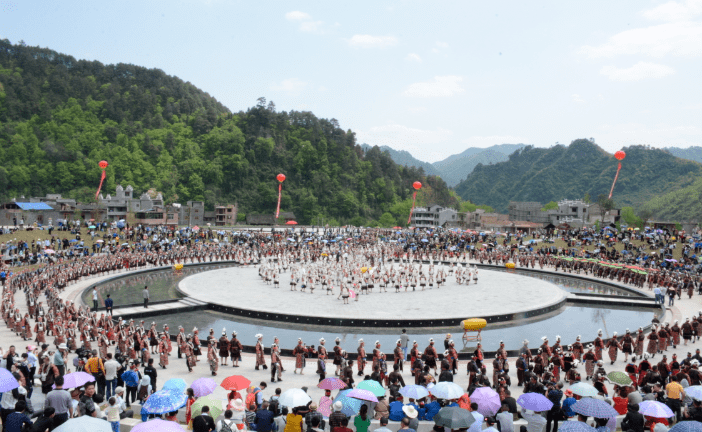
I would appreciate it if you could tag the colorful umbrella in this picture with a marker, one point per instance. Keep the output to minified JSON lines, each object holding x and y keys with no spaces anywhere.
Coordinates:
{"x":575,"y":426}
{"x":158,"y":425}
{"x":583,"y":389}
{"x":414,"y":391}
{"x":294,"y":398}
{"x":85,"y":424}
{"x":447,"y":390}
{"x":214,"y":404}
{"x":454,"y":418}
{"x":535,"y":402}
{"x":365,"y":395}
{"x":7,"y":381}
{"x":177,"y":385}
{"x":235,"y":382}
{"x":619,"y":378}
{"x":655,"y":409}
{"x":203,"y":386}
{"x":687,"y":426}
{"x":165,"y":401}
{"x":332,"y":383}
{"x":76,"y":379}
{"x":487,"y":399}
{"x":594,"y":408}
{"x":372,"y":386}
{"x":349,"y":405}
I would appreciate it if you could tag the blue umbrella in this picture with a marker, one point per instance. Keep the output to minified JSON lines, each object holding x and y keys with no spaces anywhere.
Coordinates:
{"x":535,"y":402}
{"x":130,"y":378}
{"x":85,"y":424}
{"x":694,"y":392}
{"x":175,"y":384}
{"x":687,"y":426}
{"x":164,"y":401}
{"x":350,"y":406}
{"x":414,"y":391}
{"x":575,"y":426}
{"x":7,"y":381}
{"x":594,"y":408}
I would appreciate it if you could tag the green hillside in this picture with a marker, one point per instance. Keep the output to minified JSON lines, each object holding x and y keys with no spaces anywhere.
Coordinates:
{"x":681,"y":205}
{"x":60,"y":116}
{"x":457,"y":167}
{"x":693,"y":153}
{"x":560,"y":172}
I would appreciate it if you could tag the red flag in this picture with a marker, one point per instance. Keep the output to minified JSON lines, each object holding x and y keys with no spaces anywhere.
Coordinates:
{"x":102,"y":178}
{"x":619,"y":167}
{"x":277,"y":210}
{"x":414,"y":198}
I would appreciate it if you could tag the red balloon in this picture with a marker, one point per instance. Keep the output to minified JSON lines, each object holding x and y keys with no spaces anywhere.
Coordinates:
{"x":103,"y":164}
{"x":417,"y":185}
{"x":619,"y":155}
{"x":281,"y":177}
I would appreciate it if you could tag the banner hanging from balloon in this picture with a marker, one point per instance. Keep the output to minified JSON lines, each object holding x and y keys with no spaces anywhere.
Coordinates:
{"x":281,"y":179}
{"x":103,"y":164}
{"x":416,"y":185}
{"x":620,"y":155}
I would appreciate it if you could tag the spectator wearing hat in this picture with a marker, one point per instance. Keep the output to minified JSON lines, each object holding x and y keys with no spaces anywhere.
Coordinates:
{"x":124,"y":411}
{"x":336,"y":417}
{"x":395,"y":408}
{"x":411,"y":413}
{"x":568,"y":403}
{"x":313,"y":413}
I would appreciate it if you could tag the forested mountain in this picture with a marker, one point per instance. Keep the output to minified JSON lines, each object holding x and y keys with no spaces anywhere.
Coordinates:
{"x":405,"y":158}
{"x":60,"y":116}
{"x":681,"y":205}
{"x":560,"y":172}
{"x":455,"y":168}
{"x":693,"y":153}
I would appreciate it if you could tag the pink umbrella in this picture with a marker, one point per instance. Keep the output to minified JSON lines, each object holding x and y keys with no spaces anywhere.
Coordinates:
{"x":325,"y":406}
{"x":365,"y":395}
{"x":76,"y":379}
{"x":203,"y":386}
{"x":158,"y":425}
{"x":49,"y":251}
{"x":487,"y":399}
{"x":332,"y":383}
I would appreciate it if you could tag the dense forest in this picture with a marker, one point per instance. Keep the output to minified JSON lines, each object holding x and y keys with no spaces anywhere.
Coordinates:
{"x":571,"y":172}
{"x":60,"y":116}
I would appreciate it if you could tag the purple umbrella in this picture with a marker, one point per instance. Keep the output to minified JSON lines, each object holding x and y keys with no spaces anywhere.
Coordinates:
{"x":203,"y":386}
{"x":158,"y":425}
{"x":535,"y":402}
{"x":487,"y":399}
{"x":76,"y":379}
{"x":7,"y":381}
{"x":365,"y":395}
{"x":332,"y":383}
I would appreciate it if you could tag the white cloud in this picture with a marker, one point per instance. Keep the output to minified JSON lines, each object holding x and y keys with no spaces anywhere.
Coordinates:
{"x":576,"y":98}
{"x":290,"y":85}
{"x":487,"y":141}
{"x":370,"y":41}
{"x":413,"y":57}
{"x":440,"y":86}
{"x":674,"y":11}
{"x":442,"y":44}
{"x":297,"y":16}
{"x":681,"y":39}
{"x":640,"y":71}
{"x":439,"y":46}
{"x":307,"y":24}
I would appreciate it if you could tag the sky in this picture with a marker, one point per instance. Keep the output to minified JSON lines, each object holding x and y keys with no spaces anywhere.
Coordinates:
{"x":432,"y":78}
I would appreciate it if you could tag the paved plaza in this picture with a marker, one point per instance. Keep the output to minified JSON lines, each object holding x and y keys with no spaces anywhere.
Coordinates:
{"x":496,"y":293}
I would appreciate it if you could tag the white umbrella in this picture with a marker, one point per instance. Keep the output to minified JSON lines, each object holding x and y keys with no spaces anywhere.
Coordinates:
{"x":447,"y":390}
{"x":85,"y":424}
{"x":294,"y":398}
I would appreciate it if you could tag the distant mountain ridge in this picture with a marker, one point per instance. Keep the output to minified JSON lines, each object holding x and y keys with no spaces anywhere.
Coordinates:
{"x":403,"y":157}
{"x":456,"y":167}
{"x":693,"y":153}
{"x":570,"y":172}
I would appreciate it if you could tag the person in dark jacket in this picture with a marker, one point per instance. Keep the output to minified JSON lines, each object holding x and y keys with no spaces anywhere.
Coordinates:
{"x":204,"y":422}
{"x":633,"y":421}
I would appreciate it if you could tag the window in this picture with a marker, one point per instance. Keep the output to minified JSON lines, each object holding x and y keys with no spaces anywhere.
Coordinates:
{"x":126,"y":194}
{"x":170,"y":216}
{"x":229,"y":210}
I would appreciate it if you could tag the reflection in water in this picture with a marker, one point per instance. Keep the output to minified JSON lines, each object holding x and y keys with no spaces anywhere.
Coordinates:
{"x":162,"y":285}
{"x":571,"y":322}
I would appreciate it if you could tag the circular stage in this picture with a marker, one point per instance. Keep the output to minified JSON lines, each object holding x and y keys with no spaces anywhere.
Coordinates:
{"x":498,"y":297}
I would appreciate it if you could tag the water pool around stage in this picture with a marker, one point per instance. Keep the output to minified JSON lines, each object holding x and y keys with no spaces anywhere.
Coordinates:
{"x":569,"y":323}
{"x":127,"y":288}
